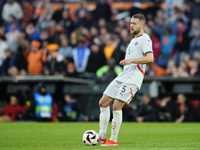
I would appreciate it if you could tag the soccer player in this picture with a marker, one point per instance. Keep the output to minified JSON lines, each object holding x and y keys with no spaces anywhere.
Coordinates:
{"x":122,"y":89}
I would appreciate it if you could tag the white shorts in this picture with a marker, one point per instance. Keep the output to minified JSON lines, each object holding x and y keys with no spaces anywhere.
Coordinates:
{"x":120,"y":90}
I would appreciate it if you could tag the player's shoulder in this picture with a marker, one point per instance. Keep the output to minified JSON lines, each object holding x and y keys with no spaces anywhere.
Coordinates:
{"x":145,"y":37}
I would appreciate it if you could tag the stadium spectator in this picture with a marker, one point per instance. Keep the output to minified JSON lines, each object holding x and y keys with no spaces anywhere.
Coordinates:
{"x":3,"y":47}
{"x":41,"y":5}
{"x":156,"y":44}
{"x":73,"y":39}
{"x":168,"y":41}
{"x":178,"y":15}
{"x":194,"y":46}
{"x":52,"y":28}
{"x":11,"y":20}
{"x":171,"y":68}
{"x":12,"y":110}
{"x":44,"y":35}
{"x":186,"y":10}
{"x":69,"y":109}
{"x":81,"y":13}
{"x":32,"y":32}
{"x":65,"y":49}
{"x":110,"y":45}
{"x":118,"y":27}
{"x":23,"y":36}
{"x":97,"y":58}
{"x":12,"y":38}
{"x":81,"y":6}
{"x":152,"y":9}
{"x":180,"y":29}
{"x":108,"y":72}
{"x":82,"y":19}
{"x":80,"y":55}
{"x":20,"y":62}
{"x":71,"y":71}
{"x":56,"y":35}
{"x":57,"y":15}
{"x":182,"y":70}
{"x":159,"y":26}
{"x":12,"y":8}
{"x":183,"y":41}
{"x":184,"y":110}
{"x":102,"y":23}
{"x":94,"y":35}
{"x":119,"y":52}
{"x":43,"y":21}
{"x":2,"y":32}
{"x":36,"y":58}
{"x":195,"y":27}
{"x":195,"y":10}
{"x":67,"y":22}
{"x":136,"y":8}
{"x":147,"y":112}
{"x":7,"y":63}
{"x":194,"y":63}
{"x":166,"y":109}
{"x":54,"y":65}
{"x":41,"y":106}
{"x":103,"y":10}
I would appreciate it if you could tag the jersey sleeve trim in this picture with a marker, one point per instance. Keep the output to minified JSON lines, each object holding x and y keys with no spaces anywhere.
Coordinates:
{"x":148,"y":52}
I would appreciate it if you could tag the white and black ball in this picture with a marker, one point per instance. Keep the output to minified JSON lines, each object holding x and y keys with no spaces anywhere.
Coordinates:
{"x":90,"y":137}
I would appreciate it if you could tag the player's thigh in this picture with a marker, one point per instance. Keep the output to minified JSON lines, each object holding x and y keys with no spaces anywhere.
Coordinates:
{"x":126,"y":92}
{"x":118,"y":104}
{"x":105,"y":101}
{"x":112,"y":89}
{"x":109,"y":94}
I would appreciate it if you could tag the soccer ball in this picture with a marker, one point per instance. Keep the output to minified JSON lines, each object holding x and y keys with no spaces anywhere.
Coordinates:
{"x":90,"y":137}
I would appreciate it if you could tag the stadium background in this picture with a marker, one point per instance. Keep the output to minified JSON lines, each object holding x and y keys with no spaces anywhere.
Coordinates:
{"x":86,"y":89}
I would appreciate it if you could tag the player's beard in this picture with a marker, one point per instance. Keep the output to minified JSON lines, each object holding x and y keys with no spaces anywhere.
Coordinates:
{"x":136,"y":32}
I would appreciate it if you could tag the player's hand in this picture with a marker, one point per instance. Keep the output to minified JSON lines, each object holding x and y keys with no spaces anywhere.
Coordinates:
{"x":125,"y":62}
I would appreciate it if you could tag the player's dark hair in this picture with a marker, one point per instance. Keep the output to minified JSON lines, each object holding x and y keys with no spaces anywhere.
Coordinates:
{"x":141,"y":17}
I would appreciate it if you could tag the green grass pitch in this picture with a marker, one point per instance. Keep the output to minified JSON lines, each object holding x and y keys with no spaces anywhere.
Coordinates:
{"x":68,"y":136}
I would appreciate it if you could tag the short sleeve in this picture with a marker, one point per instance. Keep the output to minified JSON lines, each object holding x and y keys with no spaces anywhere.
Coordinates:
{"x":147,"y":46}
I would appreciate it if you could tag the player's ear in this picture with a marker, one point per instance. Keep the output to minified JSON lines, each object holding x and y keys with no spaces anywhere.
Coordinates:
{"x":142,"y":24}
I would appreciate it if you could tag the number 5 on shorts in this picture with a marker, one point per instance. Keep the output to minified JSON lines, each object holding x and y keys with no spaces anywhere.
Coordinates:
{"x":123,"y":90}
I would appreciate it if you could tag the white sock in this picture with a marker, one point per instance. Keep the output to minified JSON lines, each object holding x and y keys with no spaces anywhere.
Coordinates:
{"x":104,"y":118}
{"x":116,"y":123}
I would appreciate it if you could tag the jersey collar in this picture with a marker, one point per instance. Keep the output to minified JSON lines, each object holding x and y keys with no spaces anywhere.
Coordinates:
{"x":139,"y":35}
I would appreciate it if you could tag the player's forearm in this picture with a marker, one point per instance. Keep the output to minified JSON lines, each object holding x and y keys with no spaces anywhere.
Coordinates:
{"x":143,"y":60}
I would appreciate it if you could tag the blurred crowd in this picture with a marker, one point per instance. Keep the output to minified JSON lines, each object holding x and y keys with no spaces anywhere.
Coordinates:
{"x":168,"y":108}
{"x":90,"y":46}
{"x":41,"y":106}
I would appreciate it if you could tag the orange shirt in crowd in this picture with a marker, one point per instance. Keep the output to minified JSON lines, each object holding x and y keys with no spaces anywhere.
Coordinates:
{"x":108,"y":51}
{"x":35,"y":60}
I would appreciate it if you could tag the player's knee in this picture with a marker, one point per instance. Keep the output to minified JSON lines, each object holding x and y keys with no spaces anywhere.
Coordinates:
{"x":102,"y":104}
{"x":115,"y":107}
{"x":118,"y":105}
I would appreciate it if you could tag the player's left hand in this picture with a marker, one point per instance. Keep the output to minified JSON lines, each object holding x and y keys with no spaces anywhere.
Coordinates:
{"x":125,"y":62}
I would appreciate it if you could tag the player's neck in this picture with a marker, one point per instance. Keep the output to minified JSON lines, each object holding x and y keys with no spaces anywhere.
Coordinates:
{"x":139,"y":34}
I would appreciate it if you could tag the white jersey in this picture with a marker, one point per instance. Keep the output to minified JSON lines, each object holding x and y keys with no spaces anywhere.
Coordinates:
{"x":137,"y":48}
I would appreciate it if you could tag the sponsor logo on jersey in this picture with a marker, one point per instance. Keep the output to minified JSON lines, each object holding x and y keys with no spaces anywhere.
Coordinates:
{"x":136,"y":43}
